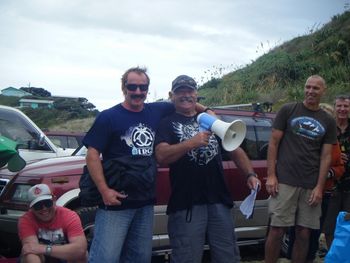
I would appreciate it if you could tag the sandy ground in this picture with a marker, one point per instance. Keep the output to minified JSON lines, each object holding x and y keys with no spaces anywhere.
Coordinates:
{"x":283,"y":260}
{"x":259,"y":252}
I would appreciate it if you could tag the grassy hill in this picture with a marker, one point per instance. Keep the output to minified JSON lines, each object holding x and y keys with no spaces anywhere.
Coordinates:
{"x":78,"y":125}
{"x":279,"y":75}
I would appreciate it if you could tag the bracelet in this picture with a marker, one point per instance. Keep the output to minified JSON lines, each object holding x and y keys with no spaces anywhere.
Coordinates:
{"x":252,"y":174}
{"x":48,"y":250}
{"x":207,"y":108}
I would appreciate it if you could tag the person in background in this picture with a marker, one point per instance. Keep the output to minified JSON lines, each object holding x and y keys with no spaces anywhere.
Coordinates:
{"x":335,"y":172}
{"x":50,"y":233}
{"x":340,"y":200}
{"x":124,"y":221}
{"x":298,"y":160}
{"x":200,"y":203}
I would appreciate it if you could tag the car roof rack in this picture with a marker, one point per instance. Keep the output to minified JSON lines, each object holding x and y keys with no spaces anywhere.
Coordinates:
{"x":257,"y":107}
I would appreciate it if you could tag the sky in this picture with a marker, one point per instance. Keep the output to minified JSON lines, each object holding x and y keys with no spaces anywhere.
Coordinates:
{"x":81,"y":48}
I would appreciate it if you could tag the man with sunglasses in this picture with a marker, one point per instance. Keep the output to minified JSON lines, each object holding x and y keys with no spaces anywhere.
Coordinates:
{"x":200,"y":204}
{"x":124,"y":221}
{"x":50,"y":233}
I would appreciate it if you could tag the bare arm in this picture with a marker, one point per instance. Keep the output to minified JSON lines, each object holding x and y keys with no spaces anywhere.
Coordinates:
{"x":325,"y":162}
{"x":337,"y":164}
{"x":243,"y":163}
{"x":272,"y":182}
{"x":166,"y":153}
{"x":75,"y":250}
{"x":93,"y":162}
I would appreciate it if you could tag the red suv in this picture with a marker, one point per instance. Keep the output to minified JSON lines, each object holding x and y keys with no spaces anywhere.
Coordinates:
{"x":62,"y":175}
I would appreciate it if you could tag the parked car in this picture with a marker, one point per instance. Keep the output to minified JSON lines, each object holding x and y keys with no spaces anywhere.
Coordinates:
{"x":62,"y":175}
{"x":66,"y":140}
{"x":33,"y":144}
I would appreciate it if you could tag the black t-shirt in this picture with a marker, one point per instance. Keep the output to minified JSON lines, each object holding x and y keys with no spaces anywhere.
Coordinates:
{"x":197,"y":177}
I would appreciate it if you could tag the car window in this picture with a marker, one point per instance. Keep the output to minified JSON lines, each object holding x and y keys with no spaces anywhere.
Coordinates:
{"x":257,"y":136}
{"x":64,"y":141}
{"x":58,"y":140}
{"x":256,"y":142}
{"x":72,"y":142}
{"x":17,"y":129}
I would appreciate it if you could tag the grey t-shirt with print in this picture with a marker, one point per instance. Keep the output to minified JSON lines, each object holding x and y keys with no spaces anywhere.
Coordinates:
{"x":299,"y":152}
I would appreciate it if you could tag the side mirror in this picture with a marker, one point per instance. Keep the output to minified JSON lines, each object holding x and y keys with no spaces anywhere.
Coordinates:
{"x":42,"y":140}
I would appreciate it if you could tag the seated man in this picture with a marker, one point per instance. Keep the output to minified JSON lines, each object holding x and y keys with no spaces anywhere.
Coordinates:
{"x":50,"y":233}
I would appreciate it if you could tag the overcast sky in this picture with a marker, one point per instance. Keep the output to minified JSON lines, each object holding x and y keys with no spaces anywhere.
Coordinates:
{"x":80,"y":48}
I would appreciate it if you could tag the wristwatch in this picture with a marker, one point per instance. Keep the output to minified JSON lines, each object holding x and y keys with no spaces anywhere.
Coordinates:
{"x":48,"y":250}
{"x":252,"y":174}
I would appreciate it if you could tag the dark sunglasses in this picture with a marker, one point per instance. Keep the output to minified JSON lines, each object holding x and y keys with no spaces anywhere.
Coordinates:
{"x":133,"y":87}
{"x":40,"y":205}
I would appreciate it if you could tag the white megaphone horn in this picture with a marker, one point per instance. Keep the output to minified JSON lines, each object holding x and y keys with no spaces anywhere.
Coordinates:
{"x":231,"y":134}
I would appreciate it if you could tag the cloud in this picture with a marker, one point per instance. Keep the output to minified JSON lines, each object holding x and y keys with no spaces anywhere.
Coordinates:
{"x":82,"y":47}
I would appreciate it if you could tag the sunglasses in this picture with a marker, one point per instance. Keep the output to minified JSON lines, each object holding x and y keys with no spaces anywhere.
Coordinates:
{"x":133,"y":87}
{"x":40,"y":205}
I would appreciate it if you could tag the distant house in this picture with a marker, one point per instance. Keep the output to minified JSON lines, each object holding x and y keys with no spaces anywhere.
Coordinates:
{"x":11,"y":91}
{"x":35,"y":104}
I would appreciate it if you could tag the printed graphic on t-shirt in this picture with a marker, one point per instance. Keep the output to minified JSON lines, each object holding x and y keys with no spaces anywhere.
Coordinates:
{"x":201,"y":155}
{"x":308,"y":127}
{"x":140,"y":139}
{"x":55,"y":237}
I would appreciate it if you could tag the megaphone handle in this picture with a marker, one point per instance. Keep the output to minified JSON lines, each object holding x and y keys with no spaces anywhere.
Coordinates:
{"x":202,"y":128}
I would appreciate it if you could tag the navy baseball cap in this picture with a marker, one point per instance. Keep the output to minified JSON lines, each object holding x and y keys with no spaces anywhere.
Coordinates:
{"x":183,"y":81}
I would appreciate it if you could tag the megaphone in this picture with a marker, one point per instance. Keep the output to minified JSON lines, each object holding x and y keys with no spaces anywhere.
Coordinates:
{"x":231,"y":134}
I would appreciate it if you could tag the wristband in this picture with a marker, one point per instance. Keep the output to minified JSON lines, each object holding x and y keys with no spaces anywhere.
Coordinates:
{"x":48,"y":250}
{"x":252,"y":174}
{"x":207,"y":108}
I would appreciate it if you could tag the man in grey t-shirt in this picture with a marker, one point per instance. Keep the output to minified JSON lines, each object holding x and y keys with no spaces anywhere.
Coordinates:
{"x":298,"y":160}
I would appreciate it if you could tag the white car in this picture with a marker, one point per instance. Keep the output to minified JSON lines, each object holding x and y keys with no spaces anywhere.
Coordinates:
{"x":33,"y":144}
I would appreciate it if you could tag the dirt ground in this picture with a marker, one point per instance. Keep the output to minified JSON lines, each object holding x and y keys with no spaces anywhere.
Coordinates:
{"x":283,"y":260}
{"x":255,"y":254}
{"x":249,"y":254}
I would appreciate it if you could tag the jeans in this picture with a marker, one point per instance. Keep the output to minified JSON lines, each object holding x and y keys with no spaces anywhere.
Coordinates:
{"x":187,"y":237}
{"x":123,"y":236}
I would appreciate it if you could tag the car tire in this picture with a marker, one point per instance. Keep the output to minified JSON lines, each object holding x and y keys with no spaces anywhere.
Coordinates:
{"x":87,"y":218}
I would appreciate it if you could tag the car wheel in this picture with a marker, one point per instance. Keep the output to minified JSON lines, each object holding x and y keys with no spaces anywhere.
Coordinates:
{"x":87,"y":217}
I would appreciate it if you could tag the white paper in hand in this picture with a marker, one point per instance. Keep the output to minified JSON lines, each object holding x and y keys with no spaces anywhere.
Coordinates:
{"x":247,"y":206}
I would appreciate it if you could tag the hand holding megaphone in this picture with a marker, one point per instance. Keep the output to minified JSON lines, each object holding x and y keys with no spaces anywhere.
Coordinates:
{"x":231,"y":134}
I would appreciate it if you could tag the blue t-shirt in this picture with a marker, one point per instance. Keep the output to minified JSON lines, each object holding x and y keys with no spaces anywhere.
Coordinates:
{"x":118,"y":132}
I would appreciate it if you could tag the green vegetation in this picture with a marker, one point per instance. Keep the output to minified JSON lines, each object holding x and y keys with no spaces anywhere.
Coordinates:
{"x":279,"y":75}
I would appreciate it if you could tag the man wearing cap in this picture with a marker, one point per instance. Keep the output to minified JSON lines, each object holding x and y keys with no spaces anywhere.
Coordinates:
{"x":200,"y":203}
{"x":50,"y":233}
{"x":124,"y":221}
